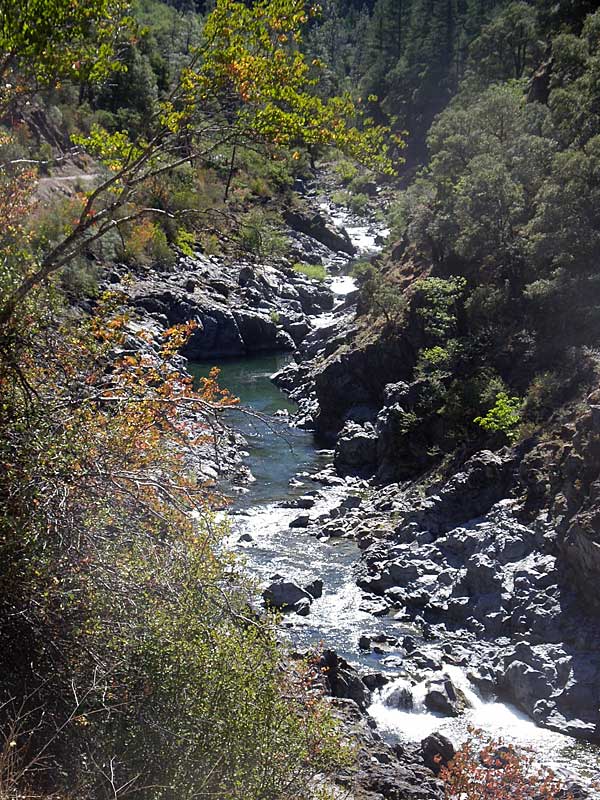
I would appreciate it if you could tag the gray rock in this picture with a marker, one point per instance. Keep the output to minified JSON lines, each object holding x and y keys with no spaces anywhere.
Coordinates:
{"x":301,"y":521}
{"x":442,"y":696}
{"x":400,"y":697}
{"x":342,"y":680}
{"x":305,"y":501}
{"x":356,"y":449}
{"x":315,"y":589}
{"x":316,"y":227}
{"x":375,"y":680}
{"x":302,"y":607}
{"x":437,"y":752}
{"x":283,"y":594}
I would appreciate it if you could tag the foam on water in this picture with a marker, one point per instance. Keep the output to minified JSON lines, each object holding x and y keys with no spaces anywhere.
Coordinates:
{"x":500,"y":721}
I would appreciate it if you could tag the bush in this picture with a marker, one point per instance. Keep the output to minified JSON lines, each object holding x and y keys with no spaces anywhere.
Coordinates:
{"x":346,"y":171}
{"x":503,"y":417}
{"x":340,"y":198}
{"x":362,"y":184}
{"x":129,"y":643}
{"x":484,"y":769}
{"x":436,"y":302}
{"x":259,"y":236}
{"x":358,"y":204}
{"x":315,"y":271}
{"x":145,"y":243}
{"x":380,"y":296}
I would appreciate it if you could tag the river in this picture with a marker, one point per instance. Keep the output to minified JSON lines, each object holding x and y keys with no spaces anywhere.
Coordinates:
{"x":282,"y":460}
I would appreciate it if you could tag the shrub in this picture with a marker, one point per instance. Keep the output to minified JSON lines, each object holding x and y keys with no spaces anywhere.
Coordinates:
{"x":490,"y":770}
{"x":361,"y":184}
{"x":145,"y":243}
{"x":129,"y":644}
{"x":436,"y":301}
{"x":340,"y":198}
{"x":503,"y":417}
{"x":80,"y":279}
{"x":259,"y":236}
{"x":315,"y":271}
{"x":380,"y":295}
{"x":358,"y":203}
{"x":346,"y":171}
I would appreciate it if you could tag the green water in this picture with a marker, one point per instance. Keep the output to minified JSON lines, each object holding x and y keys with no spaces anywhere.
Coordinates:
{"x":276,"y":451}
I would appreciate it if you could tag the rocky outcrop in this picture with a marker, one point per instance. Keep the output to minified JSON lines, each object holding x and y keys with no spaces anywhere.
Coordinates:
{"x":443,"y":697}
{"x":356,"y":449}
{"x":342,"y":680}
{"x":238,"y":309}
{"x":561,"y":476}
{"x":349,"y":385}
{"x":378,"y":771}
{"x":437,"y":752}
{"x":501,"y":581}
{"x":315,"y":226}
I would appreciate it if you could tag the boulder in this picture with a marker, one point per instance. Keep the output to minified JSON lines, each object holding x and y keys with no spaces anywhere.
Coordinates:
{"x":283,"y":594}
{"x":400,"y":697}
{"x":375,"y":680}
{"x":301,"y":521}
{"x":306,"y":501}
{"x":302,"y":607}
{"x":437,"y":752}
{"x":260,"y":333}
{"x":315,"y":226}
{"x":356,"y":449}
{"x":342,"y":680}
{"x":484,"y":480}
{"x":442,"y":696}
{"x":315,"y":589}
{"x":524,"y":685}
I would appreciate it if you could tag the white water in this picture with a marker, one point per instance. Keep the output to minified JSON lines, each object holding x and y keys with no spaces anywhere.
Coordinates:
{"x":336,"y":619}
{"x":500,"y":721}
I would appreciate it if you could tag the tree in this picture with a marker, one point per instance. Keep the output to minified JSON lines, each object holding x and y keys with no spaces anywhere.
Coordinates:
{"x":46,"y":41}
{"x":509,"y":45}
{"x":131,"y":661}
{"x":246,"y":82}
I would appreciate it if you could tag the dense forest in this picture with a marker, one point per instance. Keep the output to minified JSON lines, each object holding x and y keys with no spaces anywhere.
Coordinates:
{"x":135,"y":138}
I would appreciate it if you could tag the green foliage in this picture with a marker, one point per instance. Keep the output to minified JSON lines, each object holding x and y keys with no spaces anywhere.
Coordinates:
{"x":380,"y":296}
{"x":314,"y":271}
{"x":49,"y":40}
{"x":345,"y":171}
{"x":436,"y":301}
{"x":358,"y":204}
{"x":503,"y":417}
{"x":509,"y":45}
{"x":412,"y":57}
{"x":260,"y":236}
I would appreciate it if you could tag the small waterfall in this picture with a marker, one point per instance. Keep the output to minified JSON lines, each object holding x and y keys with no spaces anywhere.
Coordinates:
{"x":463,"y":685}
{"x":402,"y":695}
{"x":398,"y":694}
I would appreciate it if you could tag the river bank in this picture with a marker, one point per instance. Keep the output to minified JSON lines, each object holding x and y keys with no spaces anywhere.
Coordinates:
{"x":302,"y":522}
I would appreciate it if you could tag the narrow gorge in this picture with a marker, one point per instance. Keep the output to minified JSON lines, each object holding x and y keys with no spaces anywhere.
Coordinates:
{"x":447,"y":602}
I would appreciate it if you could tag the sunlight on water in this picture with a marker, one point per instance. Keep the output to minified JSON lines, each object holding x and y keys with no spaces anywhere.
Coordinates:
{"x":277,"y":453}
{"x":498,"y":720}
